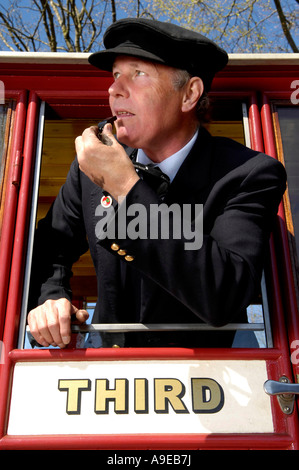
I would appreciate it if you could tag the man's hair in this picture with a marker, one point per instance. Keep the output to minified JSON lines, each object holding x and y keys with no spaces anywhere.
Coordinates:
{"x":180,"y":78}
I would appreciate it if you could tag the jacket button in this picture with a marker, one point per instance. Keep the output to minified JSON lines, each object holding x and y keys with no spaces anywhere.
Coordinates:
{"x":122,"y":252}
{"x":129,"y":258}
{"x":114,"y":247}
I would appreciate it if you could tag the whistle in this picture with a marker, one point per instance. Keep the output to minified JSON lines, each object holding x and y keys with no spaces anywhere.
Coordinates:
{"x":101,"y":125}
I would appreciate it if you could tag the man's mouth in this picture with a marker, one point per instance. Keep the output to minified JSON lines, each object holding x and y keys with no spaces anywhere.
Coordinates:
{"x":122,"y":114}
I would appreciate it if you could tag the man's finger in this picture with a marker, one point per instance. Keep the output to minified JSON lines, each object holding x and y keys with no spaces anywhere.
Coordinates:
{"x":65,"y":310}
{"x":89,"y":133}
{"x":79,"y":315}
{"x":107,"y":137}
{"x":33,"y":325}
{"x":51,"y":314}
{"x":82,"y":316}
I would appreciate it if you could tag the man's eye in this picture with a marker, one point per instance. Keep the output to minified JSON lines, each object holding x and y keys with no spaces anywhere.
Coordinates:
{"x":140,"y":73}
{"x":116,"y":75}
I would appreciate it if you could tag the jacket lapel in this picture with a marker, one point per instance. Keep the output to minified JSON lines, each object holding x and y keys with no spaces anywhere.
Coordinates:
{"x":194,"y":173}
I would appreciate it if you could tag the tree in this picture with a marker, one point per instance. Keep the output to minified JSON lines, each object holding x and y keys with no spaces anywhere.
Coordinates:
{"x":78,"y":25}
{"x":55,"y":25}
{"x":238,"y":25}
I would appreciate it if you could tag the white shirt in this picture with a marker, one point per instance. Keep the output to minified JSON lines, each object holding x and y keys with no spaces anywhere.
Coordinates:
{"x":171,"y":165}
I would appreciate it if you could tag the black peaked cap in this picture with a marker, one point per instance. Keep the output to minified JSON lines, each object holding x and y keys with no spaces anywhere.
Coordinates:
{"x":165,"y":43}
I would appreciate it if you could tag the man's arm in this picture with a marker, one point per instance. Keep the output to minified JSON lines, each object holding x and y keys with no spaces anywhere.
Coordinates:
{"x":59,"y":241}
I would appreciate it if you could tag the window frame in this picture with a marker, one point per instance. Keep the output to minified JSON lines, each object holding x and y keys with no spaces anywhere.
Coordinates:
{"x":253,"y":139}
{"x":11,"y":195}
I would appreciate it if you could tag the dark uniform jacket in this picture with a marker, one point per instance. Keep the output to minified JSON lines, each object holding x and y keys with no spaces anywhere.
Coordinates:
{"x":240,"y":190}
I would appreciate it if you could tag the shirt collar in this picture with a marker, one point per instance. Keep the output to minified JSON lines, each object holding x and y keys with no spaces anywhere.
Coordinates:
{"x":171,"y":165}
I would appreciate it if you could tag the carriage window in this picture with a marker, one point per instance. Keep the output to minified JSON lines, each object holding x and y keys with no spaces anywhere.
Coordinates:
{"x":57,"y":156}
{"x":57,"y":151}
{"x":286,"y":121}
{"x":228,"y":118}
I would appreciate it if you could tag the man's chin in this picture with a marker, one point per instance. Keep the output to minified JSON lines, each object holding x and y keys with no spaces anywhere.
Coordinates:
{"x":124,"y":138}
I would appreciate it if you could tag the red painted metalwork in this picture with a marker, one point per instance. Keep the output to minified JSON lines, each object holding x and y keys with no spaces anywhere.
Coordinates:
{"x":280,"y":337}
{"x":21,"y":225}
{"x":81,"y":91}
{"x":17,"y":262}
{"x":11,"y":199}
{"x":291,"y":310}
{"x":282,"y":439}
{"x":255,"y":125}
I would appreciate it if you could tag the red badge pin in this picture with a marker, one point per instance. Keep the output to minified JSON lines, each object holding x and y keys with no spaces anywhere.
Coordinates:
{"x":106,"y":201}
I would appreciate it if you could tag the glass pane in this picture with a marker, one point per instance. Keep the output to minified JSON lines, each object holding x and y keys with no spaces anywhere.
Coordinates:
{"x":57,"y":156}
{"x":289,"y":129}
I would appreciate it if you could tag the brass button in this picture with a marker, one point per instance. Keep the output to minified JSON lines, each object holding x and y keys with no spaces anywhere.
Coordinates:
{"x":129,"y":258}
{"x":114,"y":247}
{"x":122,"y":252}
{"x":116,"y":346}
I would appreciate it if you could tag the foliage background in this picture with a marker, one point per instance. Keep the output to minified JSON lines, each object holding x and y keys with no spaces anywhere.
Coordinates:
{"x":249,"y":26}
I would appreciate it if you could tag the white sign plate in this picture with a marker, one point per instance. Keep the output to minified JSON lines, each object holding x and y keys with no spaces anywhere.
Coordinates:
{"x":139,"y":397}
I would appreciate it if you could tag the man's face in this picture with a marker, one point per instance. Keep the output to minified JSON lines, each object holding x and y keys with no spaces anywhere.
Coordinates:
{"x":147,"y":106}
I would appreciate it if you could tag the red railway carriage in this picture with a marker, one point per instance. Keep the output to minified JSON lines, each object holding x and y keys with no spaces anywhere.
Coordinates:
{"x":88,"y":397}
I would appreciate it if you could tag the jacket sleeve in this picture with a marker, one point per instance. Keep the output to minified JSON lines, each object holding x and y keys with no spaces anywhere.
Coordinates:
{"x":218,"y":279}
{"x":60,"y":240}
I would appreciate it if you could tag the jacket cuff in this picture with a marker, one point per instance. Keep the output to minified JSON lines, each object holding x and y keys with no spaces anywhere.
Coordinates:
{"x":113,"y":227}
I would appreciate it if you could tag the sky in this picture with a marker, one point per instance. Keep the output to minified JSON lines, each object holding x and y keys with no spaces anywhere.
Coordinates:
{"x":272,"y":39}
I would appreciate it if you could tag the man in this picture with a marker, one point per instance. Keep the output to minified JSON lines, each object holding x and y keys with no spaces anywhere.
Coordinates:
{"x":162,"y":74}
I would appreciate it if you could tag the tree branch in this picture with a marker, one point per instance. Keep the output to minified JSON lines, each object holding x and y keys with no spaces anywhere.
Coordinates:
{"x":113,"y":8}
{"x":14,"y":33}
{"x":48,"y":22}
{"x":59,"y":13}
{"x":284,"y":24}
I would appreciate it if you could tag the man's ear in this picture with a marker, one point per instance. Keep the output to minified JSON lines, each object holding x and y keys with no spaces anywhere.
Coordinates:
{"x":193,"y":91}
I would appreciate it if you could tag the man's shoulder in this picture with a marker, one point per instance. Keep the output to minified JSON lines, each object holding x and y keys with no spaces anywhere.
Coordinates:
{"x":232,"y":149}
{"x":230,"y":154}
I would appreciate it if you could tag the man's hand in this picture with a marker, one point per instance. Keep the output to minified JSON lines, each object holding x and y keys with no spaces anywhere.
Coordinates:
{"x":107,"y":166}
{"x":50,"y":323}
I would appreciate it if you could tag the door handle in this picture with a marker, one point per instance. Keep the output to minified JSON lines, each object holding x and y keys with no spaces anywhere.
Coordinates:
{"x":284,"y":391}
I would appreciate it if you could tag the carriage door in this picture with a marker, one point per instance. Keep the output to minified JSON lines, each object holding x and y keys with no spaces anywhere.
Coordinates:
{"x":93,"y":397}
{"x":280,"y":120}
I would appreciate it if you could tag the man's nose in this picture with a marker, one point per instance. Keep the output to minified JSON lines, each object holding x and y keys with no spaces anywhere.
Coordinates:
{"x":119,"y":88}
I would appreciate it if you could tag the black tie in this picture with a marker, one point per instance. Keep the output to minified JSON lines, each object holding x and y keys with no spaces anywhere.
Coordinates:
{"x":154,"y":177}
